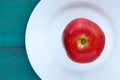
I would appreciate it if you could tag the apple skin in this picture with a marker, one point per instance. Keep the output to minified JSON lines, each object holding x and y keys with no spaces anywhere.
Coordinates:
{"x":83,"y":40}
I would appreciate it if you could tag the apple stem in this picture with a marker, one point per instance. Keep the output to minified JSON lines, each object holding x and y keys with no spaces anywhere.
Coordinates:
{"x":83,"y":41}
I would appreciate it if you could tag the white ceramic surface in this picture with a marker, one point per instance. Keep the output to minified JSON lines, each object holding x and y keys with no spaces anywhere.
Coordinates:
{"x":44,"y":44}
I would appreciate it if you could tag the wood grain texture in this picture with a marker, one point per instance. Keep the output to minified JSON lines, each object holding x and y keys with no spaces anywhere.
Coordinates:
{"x":14,"y":64}
{"x":14,"y":15}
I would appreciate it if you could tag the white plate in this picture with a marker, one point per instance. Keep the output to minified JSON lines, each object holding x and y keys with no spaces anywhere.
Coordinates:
{"x":44,"y":45}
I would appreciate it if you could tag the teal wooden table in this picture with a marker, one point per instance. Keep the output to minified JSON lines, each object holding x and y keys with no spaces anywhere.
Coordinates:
{"x":14,"y":64}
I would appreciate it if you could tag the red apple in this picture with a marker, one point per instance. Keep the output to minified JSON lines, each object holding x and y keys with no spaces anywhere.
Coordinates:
{"x":83,"y":40}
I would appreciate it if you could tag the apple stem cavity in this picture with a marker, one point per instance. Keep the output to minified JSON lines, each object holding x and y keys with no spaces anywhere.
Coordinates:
{"x":82,"y":41}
